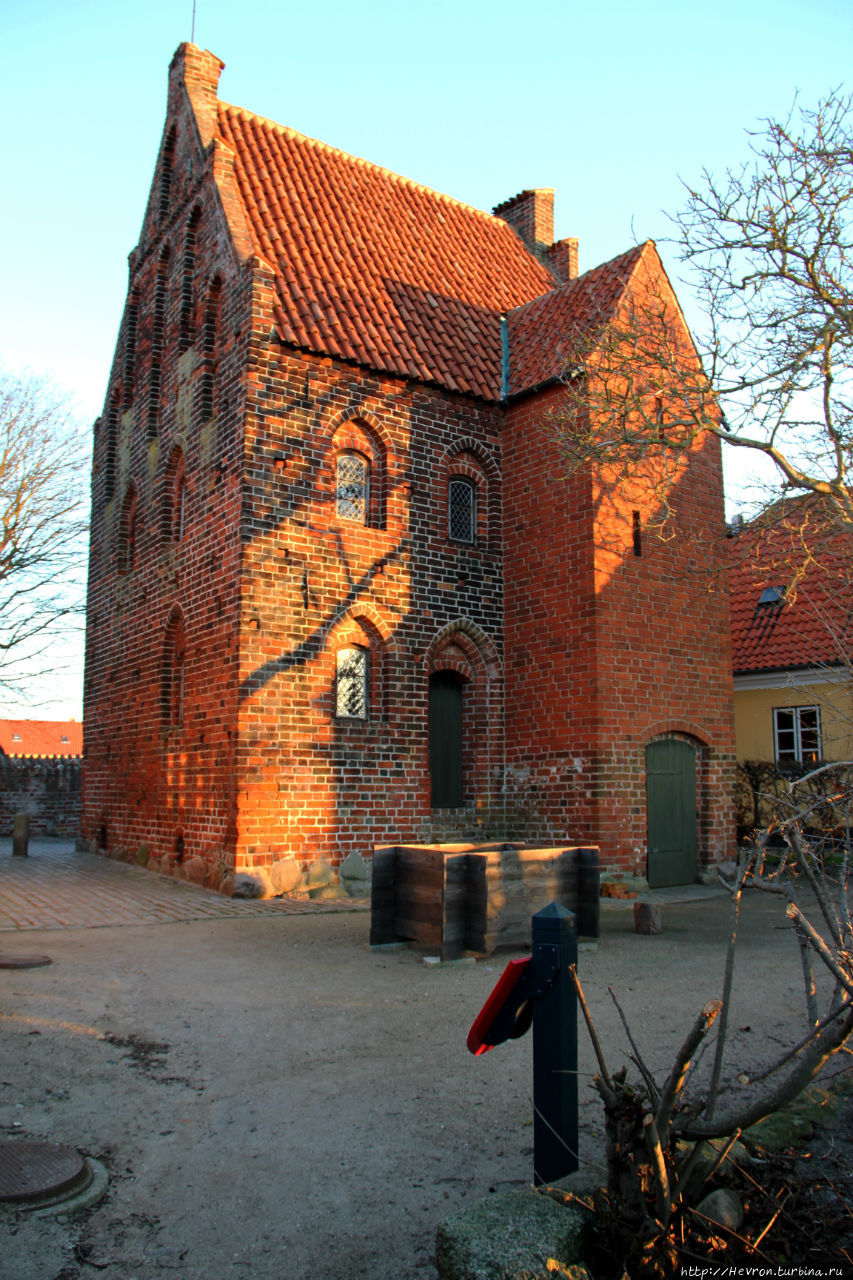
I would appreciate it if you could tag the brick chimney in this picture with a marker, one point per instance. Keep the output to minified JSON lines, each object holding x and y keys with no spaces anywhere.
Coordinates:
{"x":531,"y":216}
{"x":562,"y":258}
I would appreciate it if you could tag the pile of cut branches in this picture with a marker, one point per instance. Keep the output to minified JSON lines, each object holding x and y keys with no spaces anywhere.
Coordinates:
{"x":669,"y":1142}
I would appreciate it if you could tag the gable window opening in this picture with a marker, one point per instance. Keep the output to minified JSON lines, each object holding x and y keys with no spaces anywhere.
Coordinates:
{"x":351,"y":684}
{"x":659,"y":417}
{"x":127,"y":532}
{"x":796,"y":733}
{"x":173,"y":673}
{"x":461,"y":510}
{"x":177,"y":690}
{"x":636,"y":533}
{"x":180,"y":506}
{"x":352,"y":487}
{"x":158,"y":327}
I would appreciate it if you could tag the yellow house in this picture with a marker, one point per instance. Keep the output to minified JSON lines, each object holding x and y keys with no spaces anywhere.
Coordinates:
{"x":791,"y":587}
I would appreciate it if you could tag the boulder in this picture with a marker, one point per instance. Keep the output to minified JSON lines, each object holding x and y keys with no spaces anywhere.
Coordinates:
{"x":285,"y":875}
{"x":355,"y":875}
{"x":723,"y":1206}
{"x":327,"y":893}
{"x":513,"y":1235}
{"x":197,"y":870}
{"x":319,"y":874}
{"x":243,"y":884}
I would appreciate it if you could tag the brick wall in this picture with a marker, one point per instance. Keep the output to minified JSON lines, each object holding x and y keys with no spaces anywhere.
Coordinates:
{"x":608,"y":650}
{"x":160,"y":778}
{"x":48,"y":790}
{"x":312,"y":783}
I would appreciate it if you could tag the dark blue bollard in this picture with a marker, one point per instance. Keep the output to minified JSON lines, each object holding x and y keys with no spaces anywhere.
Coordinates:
{"x":555,"y":1045}
{"x":539,"y":987}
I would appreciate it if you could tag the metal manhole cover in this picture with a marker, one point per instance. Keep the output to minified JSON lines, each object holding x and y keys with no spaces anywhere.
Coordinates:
{"x":24,"y":962}
{"x":35,"y":1171}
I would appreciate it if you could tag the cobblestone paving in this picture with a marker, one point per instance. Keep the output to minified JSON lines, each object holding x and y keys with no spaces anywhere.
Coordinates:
{"x":58,"y":887}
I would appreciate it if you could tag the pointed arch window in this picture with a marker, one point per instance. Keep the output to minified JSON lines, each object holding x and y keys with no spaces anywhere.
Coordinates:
{"x":351,"y":691}
{"x":352,"y":487}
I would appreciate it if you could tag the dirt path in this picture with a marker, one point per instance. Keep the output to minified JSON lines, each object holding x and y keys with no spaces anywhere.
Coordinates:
{"x":275,"y":1101}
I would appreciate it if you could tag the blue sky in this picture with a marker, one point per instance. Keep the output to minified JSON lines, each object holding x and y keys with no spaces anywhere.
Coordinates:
{"x":608,"y":104}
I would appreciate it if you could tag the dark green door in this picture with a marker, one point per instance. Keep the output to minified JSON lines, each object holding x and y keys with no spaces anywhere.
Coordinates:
{"x":445,"y":740}
{"x":671,"y":810}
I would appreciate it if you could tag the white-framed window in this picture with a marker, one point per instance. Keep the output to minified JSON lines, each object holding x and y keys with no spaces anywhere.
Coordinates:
{"x":352,"y":487}
{"x":796,"y":733}
{"x":461,"y":510}
{"x":351,"y":684}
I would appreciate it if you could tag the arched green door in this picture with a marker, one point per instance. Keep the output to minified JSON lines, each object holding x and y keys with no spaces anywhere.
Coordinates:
{"x":445,"y":740}
{"x":671,"y":812}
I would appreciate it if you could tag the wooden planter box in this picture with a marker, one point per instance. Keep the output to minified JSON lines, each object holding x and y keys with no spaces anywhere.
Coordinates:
{"x":464,"y":897}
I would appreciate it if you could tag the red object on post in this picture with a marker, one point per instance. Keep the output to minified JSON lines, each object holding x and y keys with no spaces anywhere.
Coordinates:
{"x":503,"y":1016}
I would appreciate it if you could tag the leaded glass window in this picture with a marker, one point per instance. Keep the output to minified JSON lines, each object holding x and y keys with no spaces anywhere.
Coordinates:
{"x":351,"y":487}
{"x":461,"y":510}
{"x":351,"y":684}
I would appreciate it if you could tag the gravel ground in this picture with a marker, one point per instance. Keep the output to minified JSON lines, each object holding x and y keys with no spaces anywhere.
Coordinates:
{"x":275,"y":1101}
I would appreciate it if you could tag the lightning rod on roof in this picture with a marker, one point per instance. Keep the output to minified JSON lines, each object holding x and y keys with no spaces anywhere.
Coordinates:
{"x":192,"y":35}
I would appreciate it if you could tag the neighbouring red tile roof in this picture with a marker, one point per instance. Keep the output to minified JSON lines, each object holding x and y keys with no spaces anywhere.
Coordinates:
{"x":539,"y":330}
{"x":376,"y":269}
{"x":41,"y":737}
{"x":812,"y":622}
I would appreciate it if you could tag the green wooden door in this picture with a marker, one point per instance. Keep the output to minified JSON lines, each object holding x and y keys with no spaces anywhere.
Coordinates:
{"x":671,"y":812}
{"x":445,"y":740}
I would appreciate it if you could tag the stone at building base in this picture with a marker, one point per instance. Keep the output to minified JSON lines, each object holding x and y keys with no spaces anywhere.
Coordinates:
{"x":286,"y":875}
{"x":318,"y":875}
{"x":355,"y":875}
{"x":328,"y":893}
{"x":243,"y":885}
{"x":510,"y":1235}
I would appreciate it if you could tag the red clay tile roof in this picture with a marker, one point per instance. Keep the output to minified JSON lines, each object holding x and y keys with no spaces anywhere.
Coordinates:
{"x":538,"y":330}
{"x":812,"y":623}
{"x":41,"y":737}
{"x":377,"y":269}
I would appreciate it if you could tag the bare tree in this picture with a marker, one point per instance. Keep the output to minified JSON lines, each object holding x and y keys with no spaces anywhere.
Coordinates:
{"x":767,"y":248}
{"x":42,"y":525}
{"x":656,"y":1130}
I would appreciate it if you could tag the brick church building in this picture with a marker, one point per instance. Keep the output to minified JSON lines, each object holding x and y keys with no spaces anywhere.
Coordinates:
{"x":342,"y":591}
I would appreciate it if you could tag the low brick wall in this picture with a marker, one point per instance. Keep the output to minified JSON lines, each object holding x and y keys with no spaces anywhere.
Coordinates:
{"x":47,"y":789}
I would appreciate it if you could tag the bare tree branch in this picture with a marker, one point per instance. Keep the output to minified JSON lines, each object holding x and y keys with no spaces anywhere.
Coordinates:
{"x":767,"y":250}
{"x":42,"y":524}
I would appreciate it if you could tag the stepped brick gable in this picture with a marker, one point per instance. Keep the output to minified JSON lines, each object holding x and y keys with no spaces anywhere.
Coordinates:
{"x":342,"y":593}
